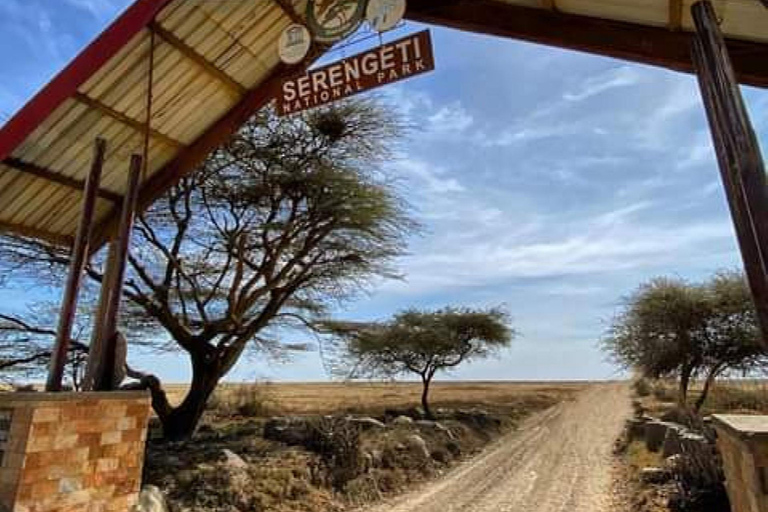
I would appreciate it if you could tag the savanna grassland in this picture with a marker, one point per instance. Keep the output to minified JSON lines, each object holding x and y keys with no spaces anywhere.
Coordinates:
{"x":373,"y":398}
{"x":334,"y":446}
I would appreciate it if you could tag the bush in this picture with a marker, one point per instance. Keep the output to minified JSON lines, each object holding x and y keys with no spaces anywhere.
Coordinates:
{"x":699,"y":483}
{"x":663,"y":392}
{"x":642,"y":387}
{"x":337,"y":441}
{"x":247,"y":400}
{"x":698,"y":472}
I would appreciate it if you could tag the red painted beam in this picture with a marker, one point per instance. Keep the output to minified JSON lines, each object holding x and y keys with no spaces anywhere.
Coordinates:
{"x":136,"y":18}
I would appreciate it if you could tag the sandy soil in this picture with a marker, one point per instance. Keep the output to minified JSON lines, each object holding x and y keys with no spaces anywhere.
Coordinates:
{"x":559,"y":460}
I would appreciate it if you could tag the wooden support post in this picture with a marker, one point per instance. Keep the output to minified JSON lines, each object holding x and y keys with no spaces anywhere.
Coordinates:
{"x":738,"y":152}
{"x":101,"y":365}
{"x":96,"y":347}
{"x":77,"y":265}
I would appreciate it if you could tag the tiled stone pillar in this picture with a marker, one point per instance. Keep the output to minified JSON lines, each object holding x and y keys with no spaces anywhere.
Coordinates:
{"x":743,"y":444}
{"x":71,"y":452}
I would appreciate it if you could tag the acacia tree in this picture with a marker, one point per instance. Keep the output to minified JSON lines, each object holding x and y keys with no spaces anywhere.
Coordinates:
{"x":733,"y":338}
{"x":420,"y":342}
{"x":672,"y":327}
{"x":26,"y":341}
{"x":288,"y":217}
{"x":659,"y":331}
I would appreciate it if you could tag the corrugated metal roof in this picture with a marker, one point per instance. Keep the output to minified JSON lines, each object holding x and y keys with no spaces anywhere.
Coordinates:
{"x":208,"y":54}
{"x":215,"y":62}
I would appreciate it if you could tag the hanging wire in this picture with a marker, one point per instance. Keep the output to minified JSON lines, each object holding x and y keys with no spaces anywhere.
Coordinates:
{"x":148,"y":118}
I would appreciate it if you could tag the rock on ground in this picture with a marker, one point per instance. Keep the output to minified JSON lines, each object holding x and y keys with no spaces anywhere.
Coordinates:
{"x":151,"y":499}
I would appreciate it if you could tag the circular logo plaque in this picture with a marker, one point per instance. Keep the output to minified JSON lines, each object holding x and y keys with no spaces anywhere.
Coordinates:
{"x":295,"y":42}
{"x":384,"y":15}
{"x":331,"y":20}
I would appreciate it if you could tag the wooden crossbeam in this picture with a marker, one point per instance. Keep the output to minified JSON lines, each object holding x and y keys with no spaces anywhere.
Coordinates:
{"x":549,"y":5}
{"x":30,"y":232}
{"x":644,"y":44}
{"x":288,"y":7}
{"x":168,"y":37}
{"x":133,"y":123}
{"x":46,"y":174}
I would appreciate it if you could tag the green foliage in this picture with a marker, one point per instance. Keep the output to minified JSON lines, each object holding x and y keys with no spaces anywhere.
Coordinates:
{"x":670,"y":327}
{"x":642,"y":387}
{"x":420,"y":342}
{"x":423,"y":342}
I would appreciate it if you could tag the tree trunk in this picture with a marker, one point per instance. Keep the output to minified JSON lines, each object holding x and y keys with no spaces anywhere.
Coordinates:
{"x":179,"y":423}
{"x":685,"y":380}
{"x":425,"y":398}
{"x":711,"y":376}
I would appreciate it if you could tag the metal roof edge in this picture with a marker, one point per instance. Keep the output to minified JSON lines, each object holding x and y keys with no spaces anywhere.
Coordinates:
{"x":135,"y":18}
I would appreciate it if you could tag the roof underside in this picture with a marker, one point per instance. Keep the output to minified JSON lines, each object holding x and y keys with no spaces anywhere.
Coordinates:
{"x":216,"y":63}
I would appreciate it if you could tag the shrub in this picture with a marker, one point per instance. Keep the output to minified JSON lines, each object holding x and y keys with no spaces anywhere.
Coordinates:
{"x":642,"y":387}
{"x":699,"y":483}
{"x":249,"y":401}
{"x":663,"y":392}
{"x":337,"y":441}
{"x":698,"y":472}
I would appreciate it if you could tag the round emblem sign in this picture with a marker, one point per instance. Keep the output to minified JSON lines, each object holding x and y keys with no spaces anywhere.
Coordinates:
{"x":295,"y":42}
{"x":331,"y":20}
{"x":384,"y":15}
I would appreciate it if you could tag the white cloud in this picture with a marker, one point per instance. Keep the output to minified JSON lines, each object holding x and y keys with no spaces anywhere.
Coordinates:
{"x":451,"y":118}
{"x":622,"y":76}
{"x":100,"y":9}
{"x":602,"y":244}
{"x":432,"y":177}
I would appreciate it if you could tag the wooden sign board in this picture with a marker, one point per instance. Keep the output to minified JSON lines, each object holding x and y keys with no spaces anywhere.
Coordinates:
{"x":386,"y":64}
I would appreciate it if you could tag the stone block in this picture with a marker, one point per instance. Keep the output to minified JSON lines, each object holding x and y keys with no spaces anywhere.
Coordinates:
{"x":636,"y":428}
{"x":655,"y":433}
{"x":73,"y":452}
{"x":671,"y":445}
{"x":741,"y":441}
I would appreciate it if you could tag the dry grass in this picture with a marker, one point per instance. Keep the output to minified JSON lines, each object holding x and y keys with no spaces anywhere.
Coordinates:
{"x":373,"y":398}
{"x":282,"y":478}
{"x":734,"y":396}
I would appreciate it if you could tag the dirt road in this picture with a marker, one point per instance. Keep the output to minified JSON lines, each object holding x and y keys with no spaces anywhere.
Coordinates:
{"x":559,"y":460}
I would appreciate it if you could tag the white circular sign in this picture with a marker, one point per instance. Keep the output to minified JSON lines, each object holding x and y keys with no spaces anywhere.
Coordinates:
{"x":295,"y":42}
{"x":384,"y":15}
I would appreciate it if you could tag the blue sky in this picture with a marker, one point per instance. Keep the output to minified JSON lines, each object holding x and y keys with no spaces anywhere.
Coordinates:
{"x":549,"y":181}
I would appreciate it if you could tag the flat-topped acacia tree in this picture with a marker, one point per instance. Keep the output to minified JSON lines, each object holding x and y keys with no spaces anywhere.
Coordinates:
{"x":419,"y":343}
{"x":290,"y":216}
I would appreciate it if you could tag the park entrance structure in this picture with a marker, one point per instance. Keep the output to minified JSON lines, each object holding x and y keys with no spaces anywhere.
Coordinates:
{"x":171,"y":80}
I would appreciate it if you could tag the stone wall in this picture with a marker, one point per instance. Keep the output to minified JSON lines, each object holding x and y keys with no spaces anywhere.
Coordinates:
{"x":72,"y":452}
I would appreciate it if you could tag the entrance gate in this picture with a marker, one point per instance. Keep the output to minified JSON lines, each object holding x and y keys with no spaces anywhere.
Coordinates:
{"x":171,"y":80}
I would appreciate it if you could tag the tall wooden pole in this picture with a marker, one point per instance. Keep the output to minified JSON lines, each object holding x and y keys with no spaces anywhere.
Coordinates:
{"x":76,"y":267}
{"x":102,"y":367}
{"x":96,"y":347}
{"x":738,"y":152}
